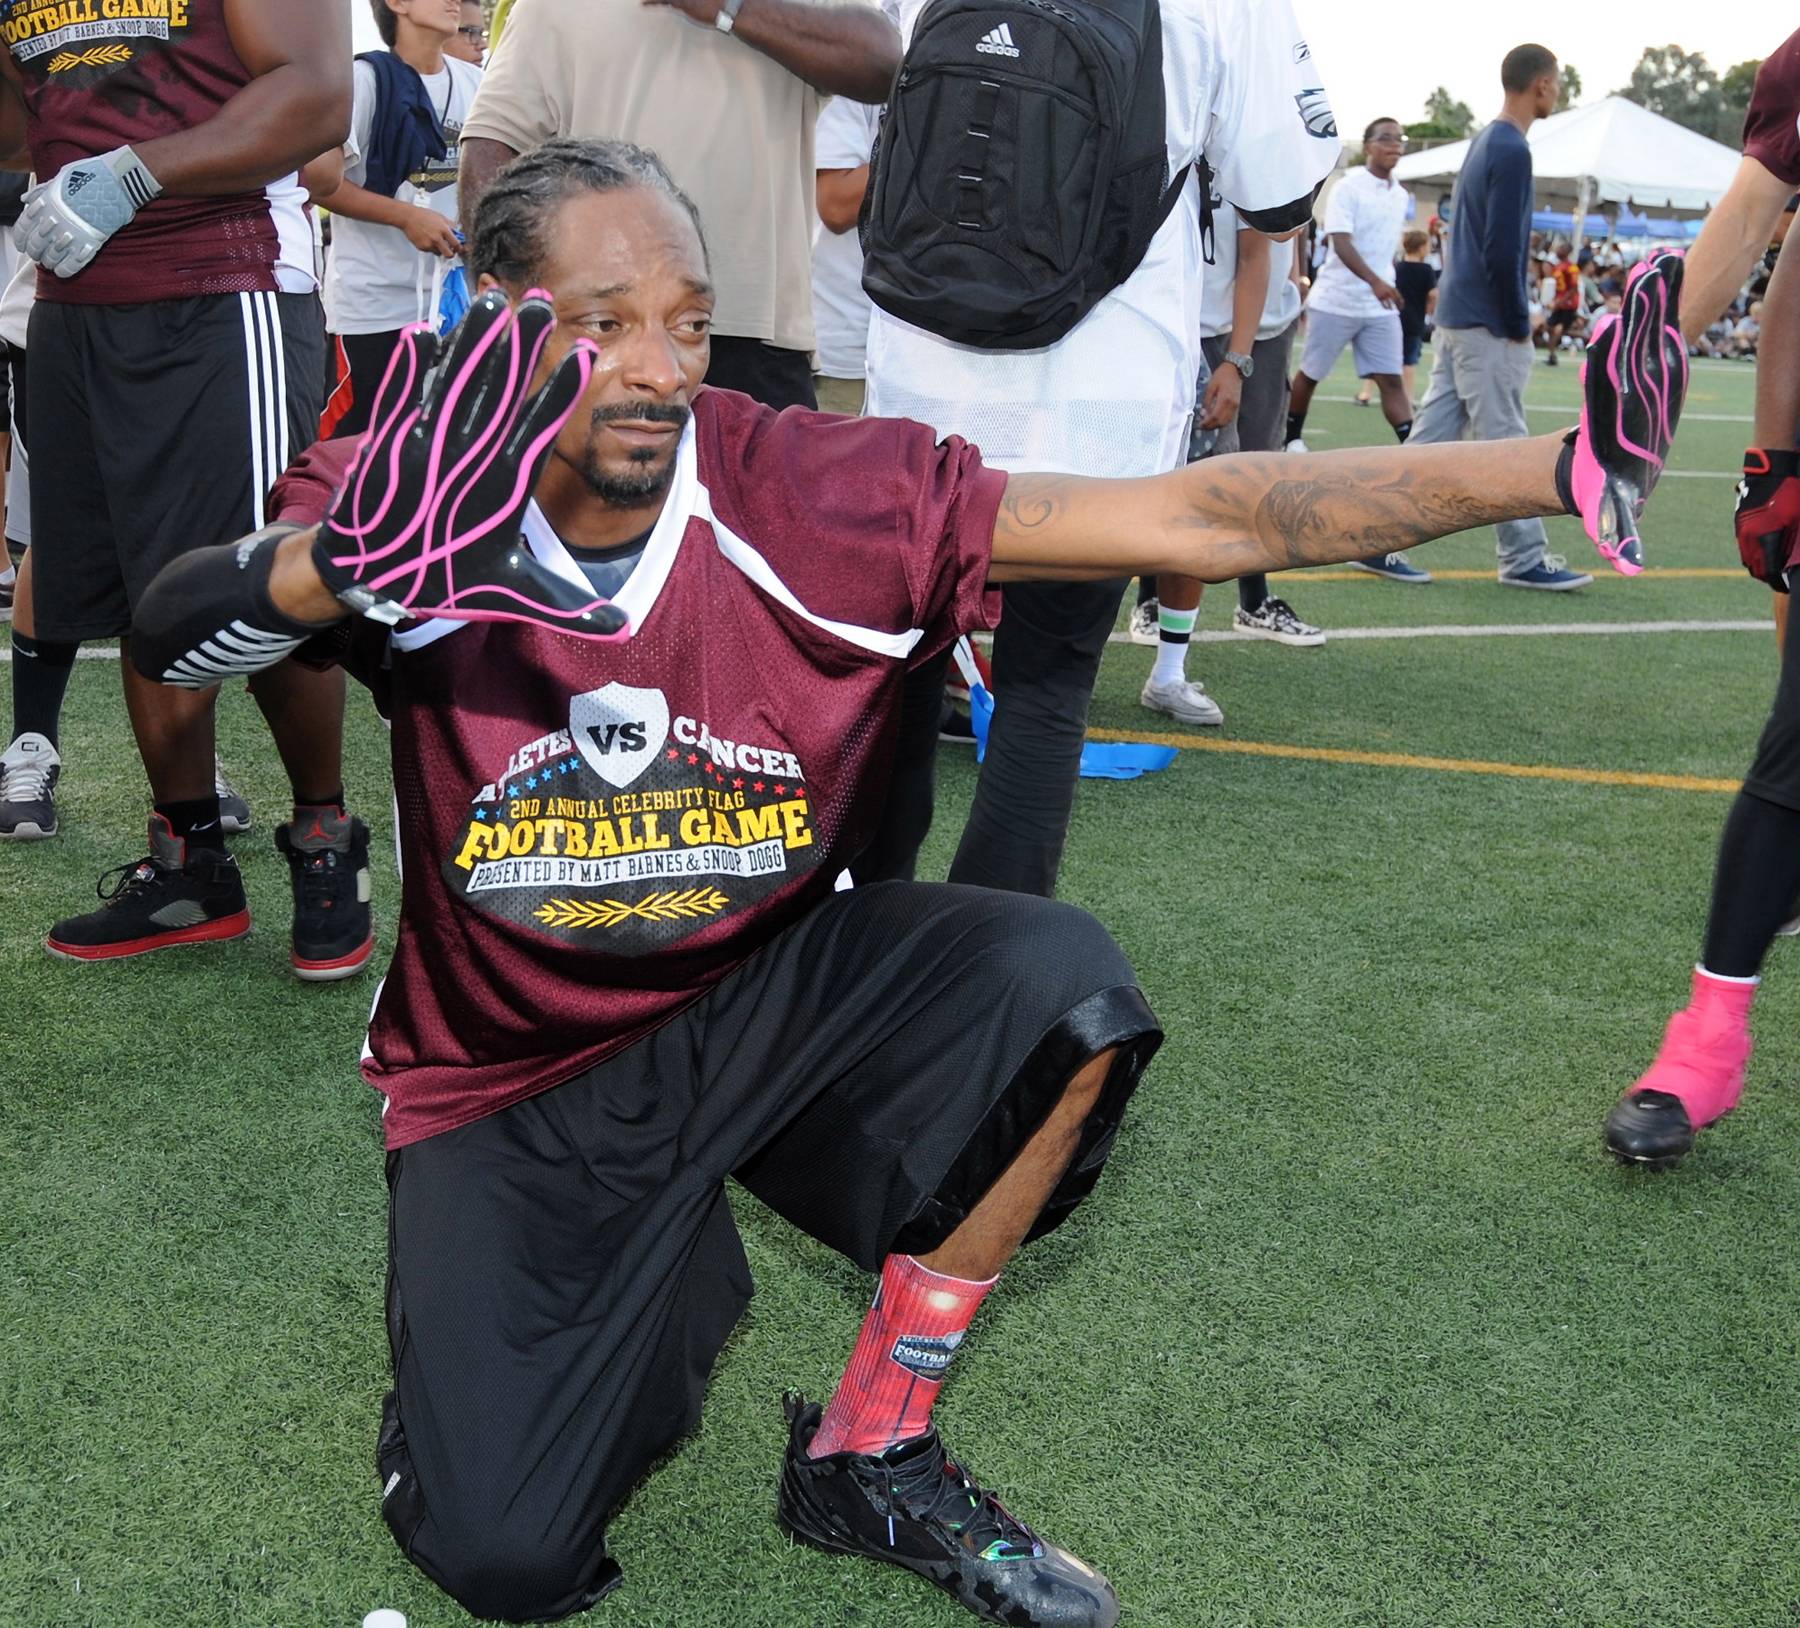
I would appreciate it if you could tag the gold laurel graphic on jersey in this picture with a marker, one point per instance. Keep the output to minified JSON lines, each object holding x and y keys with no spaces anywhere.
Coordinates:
{"x":100,"y":56}
{"x":672,"y":906}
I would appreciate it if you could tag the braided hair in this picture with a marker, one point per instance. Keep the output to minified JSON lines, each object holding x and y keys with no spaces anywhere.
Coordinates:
{"x":508,"y":242}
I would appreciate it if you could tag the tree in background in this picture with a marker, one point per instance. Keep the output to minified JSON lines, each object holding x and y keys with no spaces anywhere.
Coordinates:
{"x":1446,"y":119}
{"x":1685,"y":87}
{"x":1735,"y":87}
{"x":1571,"y":88}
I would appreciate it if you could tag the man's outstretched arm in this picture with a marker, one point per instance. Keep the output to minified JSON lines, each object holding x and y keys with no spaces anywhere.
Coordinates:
{"x":1735,"y":237}
{"x":1217,"y":520}
{"x":1236,"y":516}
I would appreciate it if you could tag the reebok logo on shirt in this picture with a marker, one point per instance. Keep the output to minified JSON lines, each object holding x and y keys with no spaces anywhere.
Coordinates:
{"x":998,"y":42}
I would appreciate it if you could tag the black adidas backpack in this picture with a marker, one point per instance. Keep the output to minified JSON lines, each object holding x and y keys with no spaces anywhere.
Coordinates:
{"x":1021,"y":169}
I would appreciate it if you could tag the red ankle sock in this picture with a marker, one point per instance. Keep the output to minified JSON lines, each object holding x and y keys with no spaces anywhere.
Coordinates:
{"x":907,"y":1340}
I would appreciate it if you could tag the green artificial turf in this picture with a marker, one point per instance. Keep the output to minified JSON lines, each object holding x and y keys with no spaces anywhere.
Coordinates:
{"x":1361,"y":1328}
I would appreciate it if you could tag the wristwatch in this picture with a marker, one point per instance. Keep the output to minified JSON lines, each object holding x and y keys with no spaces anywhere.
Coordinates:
{"x":1246,"y":365}
{"x":726,"y":20}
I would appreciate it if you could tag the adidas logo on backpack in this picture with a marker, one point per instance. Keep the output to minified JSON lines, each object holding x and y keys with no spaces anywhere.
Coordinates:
{"x":1005,"y":203}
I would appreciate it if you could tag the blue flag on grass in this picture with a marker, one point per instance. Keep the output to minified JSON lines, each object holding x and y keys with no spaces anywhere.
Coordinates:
{"x":1100,"y":760}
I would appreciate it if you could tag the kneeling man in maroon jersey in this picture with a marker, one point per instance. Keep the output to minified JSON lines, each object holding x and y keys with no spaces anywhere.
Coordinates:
{"x":642,"y":644}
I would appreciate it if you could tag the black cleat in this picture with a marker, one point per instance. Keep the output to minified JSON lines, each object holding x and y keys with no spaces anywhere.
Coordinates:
{"x":1649,"y":1128}
{"x":913,"y":1507}
{"x":334,"y":935}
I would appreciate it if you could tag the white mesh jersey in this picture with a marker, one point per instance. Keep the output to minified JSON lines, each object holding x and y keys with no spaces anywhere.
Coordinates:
{"x":1113,"y":397}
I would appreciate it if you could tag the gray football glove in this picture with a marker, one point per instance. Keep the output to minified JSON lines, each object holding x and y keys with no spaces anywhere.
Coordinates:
{"x":67,"y":220}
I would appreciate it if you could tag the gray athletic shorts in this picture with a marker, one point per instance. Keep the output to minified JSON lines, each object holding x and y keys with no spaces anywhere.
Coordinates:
{"x":1376,"y":339}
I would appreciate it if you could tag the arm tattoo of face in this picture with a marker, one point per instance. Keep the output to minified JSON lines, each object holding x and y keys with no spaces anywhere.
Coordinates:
{"x":1309,"y":522}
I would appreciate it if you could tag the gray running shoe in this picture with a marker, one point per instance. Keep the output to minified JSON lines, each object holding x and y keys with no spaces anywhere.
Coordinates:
{"x":29,"y":770}
{"x":234,"y":807}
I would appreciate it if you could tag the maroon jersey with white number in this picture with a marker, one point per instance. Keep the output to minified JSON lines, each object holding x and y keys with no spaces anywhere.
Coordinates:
{"x":593,"y":835}
{"x":101,"y":74}
{"x":1772,"y":128}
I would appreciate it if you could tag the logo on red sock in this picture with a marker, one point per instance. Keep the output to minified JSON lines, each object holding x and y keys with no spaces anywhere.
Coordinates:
{"x":926,"y":1355}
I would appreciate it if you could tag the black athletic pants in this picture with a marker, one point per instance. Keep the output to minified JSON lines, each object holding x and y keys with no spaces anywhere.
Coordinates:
{"x":563,"y":1273}
{"x":1758,"y":875}
{"x":1047,"y":652}
{"x":361,"y":361}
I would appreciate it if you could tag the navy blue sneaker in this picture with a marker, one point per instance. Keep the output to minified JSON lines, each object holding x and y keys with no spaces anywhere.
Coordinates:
{"x":1550,"y":575}
{"x":1395,"y":567}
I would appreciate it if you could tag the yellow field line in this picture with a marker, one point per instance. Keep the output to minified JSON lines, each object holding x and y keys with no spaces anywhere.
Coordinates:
{"x":1684,"y":572}
{"x":1443,"y":765}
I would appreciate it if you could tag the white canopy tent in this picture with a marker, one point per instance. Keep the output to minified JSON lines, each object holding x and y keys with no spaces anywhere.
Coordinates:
{"x":1610,"y":152}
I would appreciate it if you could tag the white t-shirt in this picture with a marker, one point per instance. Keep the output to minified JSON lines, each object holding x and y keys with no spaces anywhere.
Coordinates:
{"x":844,"y":139}
{"x":20,"y":295}
{"x":375,"y":280}
{"x":1373,"y":213}
{"x":1218,"y":297}
{"x":1113,"y":397}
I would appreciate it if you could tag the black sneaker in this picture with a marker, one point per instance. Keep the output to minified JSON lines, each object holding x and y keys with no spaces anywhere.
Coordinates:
{"x":333,"y":935}
{"x":913,"y":1507}
{"x":29,"y":770}
{"x":176,"y":895}
{"x":957,"y":727}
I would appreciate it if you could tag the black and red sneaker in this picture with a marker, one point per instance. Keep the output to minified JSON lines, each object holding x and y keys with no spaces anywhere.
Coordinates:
{"x":913,"y":1507}
{"x":328,"y":854}
{"x":178,"y":894}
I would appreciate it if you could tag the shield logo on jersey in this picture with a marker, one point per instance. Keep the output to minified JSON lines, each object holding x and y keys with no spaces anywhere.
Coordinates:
{"x":1315,"y":110}
{"x":619,"y":730}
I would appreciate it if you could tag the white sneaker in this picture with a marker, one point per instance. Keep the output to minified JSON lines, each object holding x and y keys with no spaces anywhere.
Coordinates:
{"x":1296,"y":445}
{"x":1275,"y":619}
{"x":1144,"y":628}
{"x":1183,"y":699}
{"x":29,"y":771}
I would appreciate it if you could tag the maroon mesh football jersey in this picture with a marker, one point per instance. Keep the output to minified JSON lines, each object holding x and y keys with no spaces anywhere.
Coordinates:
{"x":1772,"y":129}
{"x":101,"y":74}
{"x":592,"y":835}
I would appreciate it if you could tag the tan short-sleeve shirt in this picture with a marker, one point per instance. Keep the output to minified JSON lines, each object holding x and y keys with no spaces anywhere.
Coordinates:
{"x":734,"y":127}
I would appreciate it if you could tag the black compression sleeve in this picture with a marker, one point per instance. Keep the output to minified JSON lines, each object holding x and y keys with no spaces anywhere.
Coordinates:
{"x":208,"y":616}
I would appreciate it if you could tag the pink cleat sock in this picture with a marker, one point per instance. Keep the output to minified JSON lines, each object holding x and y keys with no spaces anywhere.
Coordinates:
{"x":1705,"y":1049}
{"x":907,"y":1340}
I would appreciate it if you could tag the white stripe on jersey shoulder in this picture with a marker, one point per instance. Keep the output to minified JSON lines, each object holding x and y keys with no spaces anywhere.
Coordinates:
{"x":898,"y":646}
{"x":645,"y":584}
{"x":687,"y":500}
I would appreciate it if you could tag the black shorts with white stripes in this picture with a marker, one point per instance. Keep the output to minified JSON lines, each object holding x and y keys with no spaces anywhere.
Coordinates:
{"x":156,"y":429}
